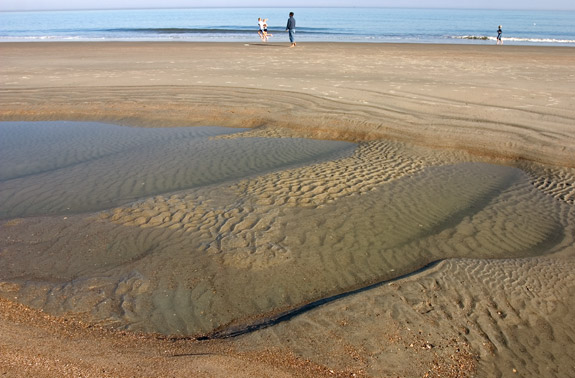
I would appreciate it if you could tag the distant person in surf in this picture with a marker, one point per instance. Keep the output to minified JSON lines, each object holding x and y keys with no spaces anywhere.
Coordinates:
{"x":499,"y":32}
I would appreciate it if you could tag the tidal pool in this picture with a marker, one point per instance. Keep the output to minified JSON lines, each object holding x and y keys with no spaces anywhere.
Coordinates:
{"x":184,"y":231}
{"x":75,"y":167}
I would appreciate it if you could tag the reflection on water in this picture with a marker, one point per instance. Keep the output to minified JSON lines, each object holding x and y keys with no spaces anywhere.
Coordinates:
{"x":226,"y":248}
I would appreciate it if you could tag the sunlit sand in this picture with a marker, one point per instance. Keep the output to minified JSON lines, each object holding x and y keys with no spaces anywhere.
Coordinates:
{"x":392,"y":210}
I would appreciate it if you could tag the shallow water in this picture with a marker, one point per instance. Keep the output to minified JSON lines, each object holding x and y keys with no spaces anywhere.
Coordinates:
{"x":226,"y":248}
{"x":74,"y":167}
{"x":349,"y":24}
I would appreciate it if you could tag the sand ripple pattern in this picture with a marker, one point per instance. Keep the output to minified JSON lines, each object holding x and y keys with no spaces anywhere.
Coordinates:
{"x":225,"y":254}
{"x":314,"y":185}
{"x":555,"y":181}
{"x":100,"y":166}
{"x":462,"y":317}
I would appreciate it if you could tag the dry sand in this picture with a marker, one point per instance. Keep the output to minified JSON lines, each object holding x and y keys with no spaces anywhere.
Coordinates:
{"x":460,"y":317}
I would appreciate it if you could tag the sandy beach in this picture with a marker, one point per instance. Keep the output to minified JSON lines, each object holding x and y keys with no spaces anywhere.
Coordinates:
{"x":466,"y":152}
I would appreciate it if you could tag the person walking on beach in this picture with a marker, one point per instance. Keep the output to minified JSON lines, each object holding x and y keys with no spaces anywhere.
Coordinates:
{"x":499,"y":32}
{"x":290,"y":28}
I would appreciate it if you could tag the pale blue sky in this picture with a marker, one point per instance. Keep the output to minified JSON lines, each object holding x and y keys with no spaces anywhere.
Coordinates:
{"x":9,"y":5}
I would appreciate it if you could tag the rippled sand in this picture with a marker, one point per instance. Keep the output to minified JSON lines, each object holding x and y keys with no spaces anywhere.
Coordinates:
{"x":52,"y":168}
{"x":321,"y":245}
{"x":222,"y":252}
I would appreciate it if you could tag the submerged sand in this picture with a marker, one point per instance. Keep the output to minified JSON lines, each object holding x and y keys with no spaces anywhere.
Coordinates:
{"x":430,"y":122}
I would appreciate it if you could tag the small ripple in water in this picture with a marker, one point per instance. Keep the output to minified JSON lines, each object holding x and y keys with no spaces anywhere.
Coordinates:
{"x":71,"y":167}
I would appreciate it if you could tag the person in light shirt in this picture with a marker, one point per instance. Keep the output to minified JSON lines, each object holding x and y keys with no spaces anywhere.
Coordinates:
{"x":261,"y":28}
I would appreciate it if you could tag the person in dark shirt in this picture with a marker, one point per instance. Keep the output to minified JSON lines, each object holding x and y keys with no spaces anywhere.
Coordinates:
{"x":499,"y":32}
{"x":290,"y":28}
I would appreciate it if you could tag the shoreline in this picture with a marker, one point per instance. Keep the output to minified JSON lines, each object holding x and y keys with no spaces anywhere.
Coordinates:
{"x":286,"y":42}
{"x":512,"y":105}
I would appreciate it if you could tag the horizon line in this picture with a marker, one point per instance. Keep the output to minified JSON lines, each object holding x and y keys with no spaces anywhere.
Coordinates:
{"x":282,"y":7}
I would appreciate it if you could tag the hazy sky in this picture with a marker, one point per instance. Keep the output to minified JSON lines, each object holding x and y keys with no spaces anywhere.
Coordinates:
{"x":7,"y":5}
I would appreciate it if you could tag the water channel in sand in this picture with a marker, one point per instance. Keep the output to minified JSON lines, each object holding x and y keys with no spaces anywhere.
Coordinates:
{"x":186,"y":230}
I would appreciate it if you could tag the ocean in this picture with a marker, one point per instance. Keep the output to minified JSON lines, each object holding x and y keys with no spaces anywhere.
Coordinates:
{"x":378,"y":25}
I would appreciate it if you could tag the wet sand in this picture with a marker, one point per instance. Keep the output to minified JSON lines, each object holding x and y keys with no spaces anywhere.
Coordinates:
{"x":430,"y":121}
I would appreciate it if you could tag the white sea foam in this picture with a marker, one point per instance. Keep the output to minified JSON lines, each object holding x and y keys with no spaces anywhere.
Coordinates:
{"x":515,"y":39}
